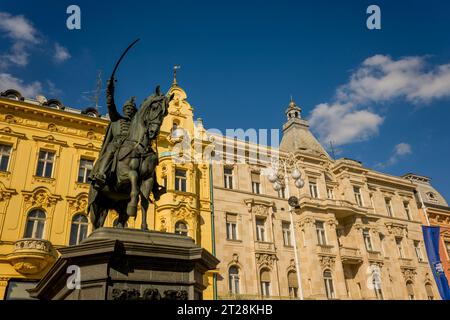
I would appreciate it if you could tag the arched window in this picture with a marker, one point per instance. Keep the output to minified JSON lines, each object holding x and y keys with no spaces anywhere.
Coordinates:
{"x":35,"y":224}
{"x":293,"y":284}
{"x":78,"y":230}
{"x":265,"y":282}
{"x":181,"y":228}
{"x":429,"y":289}
{"x":329,"y":287}
{"x":410,"y":288}
{"x":233,"y":279}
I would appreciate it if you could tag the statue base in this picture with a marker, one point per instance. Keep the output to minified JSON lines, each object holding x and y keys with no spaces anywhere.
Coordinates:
{"x":128,"y":264}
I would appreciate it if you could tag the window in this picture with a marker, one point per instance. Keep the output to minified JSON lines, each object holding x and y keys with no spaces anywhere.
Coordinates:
{"x":78,"y":230}
{"x":447,"y":247}
{"x":181,"y":228}
{"x":265,"y":283}
{"x":320,"y":230}
{"x":231,"y":226}
{"x":233,"y":279}
{"x":418,"y":250}
{"x":35,"y":224}
{"x":330,"y":193}
{"x":431,"y":196}
{"x":358,"y":197}
{"x":45,"y":164}
{"x":5,"y":154}
{"x":282,"y":193}
{"x":376,"y":281}
{"x":286,"y":227}
{"x":329,"y":288}
{"x":260,"y":229}
{"x":367,"y":240}
{"x":382,"y":244}
{"x":228,"y":178}
{"x":293,"y":284}
{"x":389,"y":207}
{"x":429,"y":290}
{"x":180,"y":180}
{"x":313,"y":189}
{"x":410,"y":289}
{"x":256,"y":183}
{"x":85,"y":170}
{"x":407,"y":211}
{"x":398,"y":242}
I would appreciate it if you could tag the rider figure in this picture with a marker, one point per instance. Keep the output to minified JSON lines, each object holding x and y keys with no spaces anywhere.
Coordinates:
{"x":116,"y":133}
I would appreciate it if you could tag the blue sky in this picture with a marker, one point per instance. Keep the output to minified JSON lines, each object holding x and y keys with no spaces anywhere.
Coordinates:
{"x":382,"y":96}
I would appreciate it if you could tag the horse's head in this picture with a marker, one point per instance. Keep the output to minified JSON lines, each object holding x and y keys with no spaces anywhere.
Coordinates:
{"x":154,"y":109}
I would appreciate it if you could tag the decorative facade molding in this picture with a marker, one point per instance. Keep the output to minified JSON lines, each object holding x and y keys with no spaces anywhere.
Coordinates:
{"x":327,"y":262}
{"x":265,"y":259}
{"x":40,"y":197}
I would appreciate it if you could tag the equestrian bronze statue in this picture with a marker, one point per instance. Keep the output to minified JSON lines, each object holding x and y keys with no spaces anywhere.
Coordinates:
{"x":125,"y":170}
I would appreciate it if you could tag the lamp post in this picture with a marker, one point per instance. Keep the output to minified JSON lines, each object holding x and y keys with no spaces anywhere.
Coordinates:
{"x":276,"y":177}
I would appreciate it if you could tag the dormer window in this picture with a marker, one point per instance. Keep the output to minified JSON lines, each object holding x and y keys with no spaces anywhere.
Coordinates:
{"x":91,"y":114}
{"x":431,"y":196}
{"x":12,"y":94}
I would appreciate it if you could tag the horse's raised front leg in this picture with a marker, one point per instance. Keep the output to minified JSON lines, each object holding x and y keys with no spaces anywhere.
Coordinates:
{"x":134,"y":194}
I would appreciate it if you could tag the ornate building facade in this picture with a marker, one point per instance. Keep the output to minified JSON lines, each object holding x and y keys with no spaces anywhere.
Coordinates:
{"x":434,"y":211}
{"x":47,"y":152}
{"x":357,"y":231}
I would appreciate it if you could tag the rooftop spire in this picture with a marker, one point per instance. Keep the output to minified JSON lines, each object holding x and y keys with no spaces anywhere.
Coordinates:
{"x":175,"y":68}
{"x":293,"y":111}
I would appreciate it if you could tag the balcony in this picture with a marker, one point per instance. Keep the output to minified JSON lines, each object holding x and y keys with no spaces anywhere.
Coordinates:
{"x":31,"y":256}
{"x":350,"y":255}
{"x":264,"y":246}
{"x":325,"y":249}
{"x":374,"y":256}
{"x":406,"y":263}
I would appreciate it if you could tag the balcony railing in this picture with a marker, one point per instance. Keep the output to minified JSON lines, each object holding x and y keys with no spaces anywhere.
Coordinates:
{"x":264,"y":246}
{"x":406,"y":262}
{"x":350,"y":255}
{"x":31,"y":256}
{"x":374,"y":255}
{"x":325,"y":249}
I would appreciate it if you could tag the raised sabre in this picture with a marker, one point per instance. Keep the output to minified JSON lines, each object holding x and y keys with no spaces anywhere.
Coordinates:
{"x":122,"y":56}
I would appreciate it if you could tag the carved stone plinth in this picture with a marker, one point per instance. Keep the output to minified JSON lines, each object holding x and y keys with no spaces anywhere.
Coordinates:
{"x":128,"y":264}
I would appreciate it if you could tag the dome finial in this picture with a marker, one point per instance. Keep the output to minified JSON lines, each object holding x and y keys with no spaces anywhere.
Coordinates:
{"x":175,"y":68}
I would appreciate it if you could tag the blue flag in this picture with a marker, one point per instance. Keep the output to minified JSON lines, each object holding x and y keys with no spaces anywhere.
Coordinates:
{"x":431,"y":237}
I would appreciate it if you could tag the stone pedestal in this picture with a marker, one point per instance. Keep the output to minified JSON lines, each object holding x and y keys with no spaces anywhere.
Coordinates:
{"x":124,"y":264}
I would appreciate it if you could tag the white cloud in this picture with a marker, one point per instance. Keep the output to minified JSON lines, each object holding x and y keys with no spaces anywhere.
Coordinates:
{"x":379,"y":79}
{"x":22,"y":34}
{"x":400,"y":150}
{"x":18,"y":28}
{"x":343,"y":123}
{"x":61,"y":53}
{"x":8,"y":81}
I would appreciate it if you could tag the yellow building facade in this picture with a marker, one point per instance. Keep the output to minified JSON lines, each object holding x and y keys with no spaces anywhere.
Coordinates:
{"x":47,"y":152}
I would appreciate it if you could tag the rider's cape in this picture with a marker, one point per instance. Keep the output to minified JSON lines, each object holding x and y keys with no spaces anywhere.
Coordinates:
{"x":108,"y":138}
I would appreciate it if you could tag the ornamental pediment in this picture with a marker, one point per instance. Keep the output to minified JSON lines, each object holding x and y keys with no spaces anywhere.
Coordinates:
{"x":397,"y":229}
{"x":259,"y":207}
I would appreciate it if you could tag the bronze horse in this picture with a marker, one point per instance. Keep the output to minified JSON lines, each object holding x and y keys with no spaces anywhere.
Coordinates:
{"x":134,"y":175}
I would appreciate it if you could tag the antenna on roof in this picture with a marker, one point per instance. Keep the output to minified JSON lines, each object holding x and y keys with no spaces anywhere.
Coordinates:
{"x":332,"y":150}
{"x":98,"y":90}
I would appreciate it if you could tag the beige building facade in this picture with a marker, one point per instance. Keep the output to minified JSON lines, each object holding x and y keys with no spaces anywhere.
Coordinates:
{"x":357,"y":231}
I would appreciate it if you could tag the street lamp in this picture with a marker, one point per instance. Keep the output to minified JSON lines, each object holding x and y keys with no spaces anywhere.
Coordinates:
{"x":276,"y":178}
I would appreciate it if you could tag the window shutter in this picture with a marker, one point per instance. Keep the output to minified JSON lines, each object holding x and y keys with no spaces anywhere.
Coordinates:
{"x":255,"y":177}
{"x":292,"y":280}
{"x":429,"y":290}
{"x":410,"y":288}
{"x":231,"y":217}
{"x":265,"y":276}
